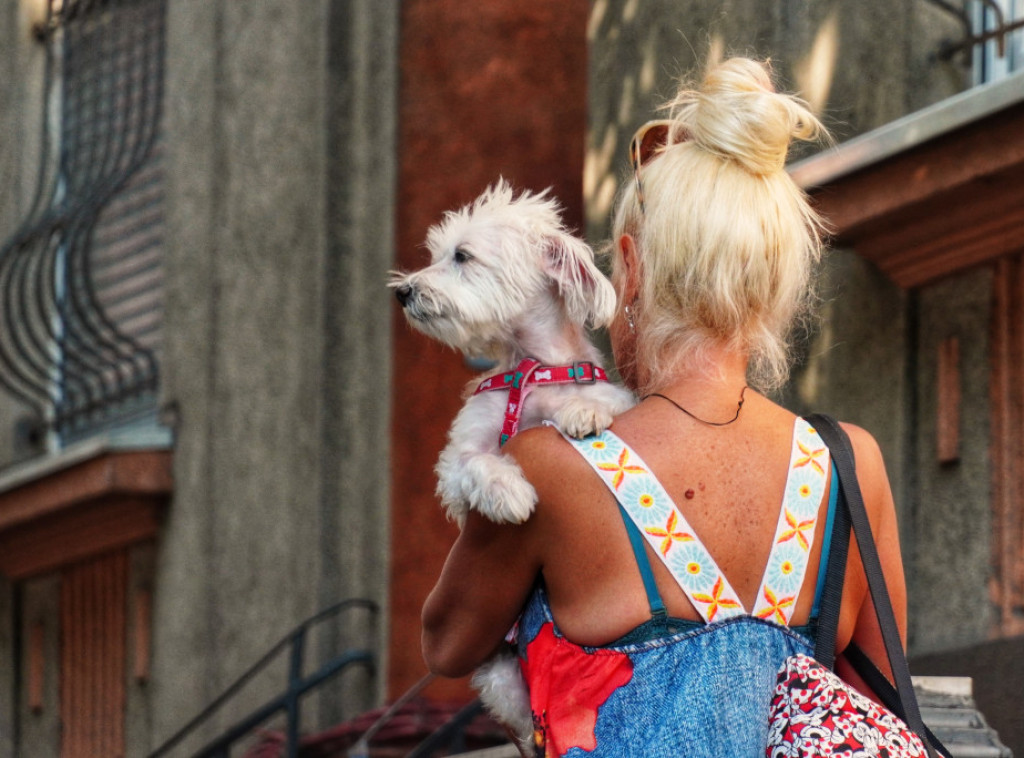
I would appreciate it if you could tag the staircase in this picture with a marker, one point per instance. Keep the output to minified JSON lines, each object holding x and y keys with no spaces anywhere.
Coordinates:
{"x":288,"y":701}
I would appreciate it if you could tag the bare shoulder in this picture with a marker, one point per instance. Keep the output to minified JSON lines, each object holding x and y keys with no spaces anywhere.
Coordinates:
{"x":542,"y":451}
{"x":866,"y":452}
{"x":559,"y":474}
{"x":871,"y":473}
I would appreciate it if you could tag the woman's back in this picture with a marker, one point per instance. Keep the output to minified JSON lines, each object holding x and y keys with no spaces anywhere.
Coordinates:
{"x":727,"y":482}
{"x":699,"y":682}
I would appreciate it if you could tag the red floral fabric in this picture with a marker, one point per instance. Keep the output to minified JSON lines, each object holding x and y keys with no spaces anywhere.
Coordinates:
{"x":815,"y":713}
{"x":567,"y":688}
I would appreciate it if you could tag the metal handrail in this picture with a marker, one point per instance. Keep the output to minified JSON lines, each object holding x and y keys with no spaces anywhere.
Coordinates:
{"x":361,"y":748}
{"x":287,"y":701}
{"x":449,"y":732}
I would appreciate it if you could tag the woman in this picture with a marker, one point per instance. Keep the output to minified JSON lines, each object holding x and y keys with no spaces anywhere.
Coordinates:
{"x":673,"y":562}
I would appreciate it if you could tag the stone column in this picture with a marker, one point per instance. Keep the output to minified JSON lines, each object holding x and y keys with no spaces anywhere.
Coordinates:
{"x":279,"y":127}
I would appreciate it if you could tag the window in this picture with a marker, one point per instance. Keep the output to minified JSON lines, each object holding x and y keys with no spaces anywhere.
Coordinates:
{"x":1002,"y":54}
{"x":81,"y":281}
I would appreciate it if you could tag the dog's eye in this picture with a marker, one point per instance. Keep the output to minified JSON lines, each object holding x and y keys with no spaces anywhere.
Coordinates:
{"x":461,"y":256}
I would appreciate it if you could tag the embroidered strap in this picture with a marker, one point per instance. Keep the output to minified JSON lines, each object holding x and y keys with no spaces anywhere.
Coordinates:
{"x":663,"y":527}
{"x":646,"y":502}
{"x":528,"y":373}
{"x":794,"y":534}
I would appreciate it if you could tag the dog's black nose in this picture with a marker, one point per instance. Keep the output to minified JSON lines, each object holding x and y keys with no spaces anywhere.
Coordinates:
{"x":403,"y":294}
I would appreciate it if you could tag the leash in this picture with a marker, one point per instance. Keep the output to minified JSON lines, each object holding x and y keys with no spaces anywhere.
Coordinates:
{"x":525,"y":376}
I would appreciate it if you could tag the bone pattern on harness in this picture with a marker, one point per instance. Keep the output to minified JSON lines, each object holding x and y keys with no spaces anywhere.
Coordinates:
{"x":513,"y":411}
{"x":528,"y":374}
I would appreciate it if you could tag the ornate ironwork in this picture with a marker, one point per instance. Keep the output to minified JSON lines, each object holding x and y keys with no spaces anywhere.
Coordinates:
{"x":81,"y":280}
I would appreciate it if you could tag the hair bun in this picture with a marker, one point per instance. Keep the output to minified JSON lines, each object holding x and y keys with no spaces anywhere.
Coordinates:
{"x":738,"y":115}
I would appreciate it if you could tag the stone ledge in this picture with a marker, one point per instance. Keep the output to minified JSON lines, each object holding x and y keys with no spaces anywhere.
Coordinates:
{"x":93,"y":499}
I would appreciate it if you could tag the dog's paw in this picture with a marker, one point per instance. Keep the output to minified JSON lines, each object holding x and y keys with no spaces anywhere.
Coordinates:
{"x":496,"y":487}
{"x":579,"y":417}
{"x":456,"y":511}
{"x":509,"y":500}
{"x":451,"y":491}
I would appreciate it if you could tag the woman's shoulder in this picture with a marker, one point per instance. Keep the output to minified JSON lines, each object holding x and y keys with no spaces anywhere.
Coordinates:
{"x":559,"y":474}
{"x":541,"y":449}
{"x":866,"y":451}
{"x":865,"y":447}
{"x":871,"y":473}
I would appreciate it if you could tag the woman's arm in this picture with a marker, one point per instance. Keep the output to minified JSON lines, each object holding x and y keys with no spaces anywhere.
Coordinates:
{"x":486,"y":579}
{"x":878,"y":500}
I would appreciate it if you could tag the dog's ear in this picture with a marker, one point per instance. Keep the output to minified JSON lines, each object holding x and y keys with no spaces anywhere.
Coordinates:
{"x":589,"y":296}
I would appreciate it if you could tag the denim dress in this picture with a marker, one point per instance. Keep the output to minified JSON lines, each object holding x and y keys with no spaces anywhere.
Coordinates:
{"x":674,"y":687}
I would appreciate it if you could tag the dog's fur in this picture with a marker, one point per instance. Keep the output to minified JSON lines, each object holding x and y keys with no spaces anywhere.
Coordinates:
{"x":507,"y":281}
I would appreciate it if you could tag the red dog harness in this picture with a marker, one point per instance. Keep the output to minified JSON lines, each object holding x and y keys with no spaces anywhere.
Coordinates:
{"x":528,"y":373}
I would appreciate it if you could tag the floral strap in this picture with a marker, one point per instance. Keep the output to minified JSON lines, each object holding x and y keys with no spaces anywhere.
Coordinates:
{"x":661,"y":524}
{"x":794,"y":534}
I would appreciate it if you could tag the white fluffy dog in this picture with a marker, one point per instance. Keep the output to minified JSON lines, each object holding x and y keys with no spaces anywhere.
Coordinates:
{"x":508,"y":282}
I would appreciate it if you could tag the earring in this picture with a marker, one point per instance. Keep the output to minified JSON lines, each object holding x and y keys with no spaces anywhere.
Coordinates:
{"x":627,"y":311}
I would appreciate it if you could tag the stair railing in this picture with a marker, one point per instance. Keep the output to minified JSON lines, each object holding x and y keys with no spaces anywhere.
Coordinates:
{"x":288,"y":701}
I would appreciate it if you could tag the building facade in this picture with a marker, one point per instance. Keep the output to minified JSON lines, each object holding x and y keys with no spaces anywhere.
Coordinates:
{"x":214,"y":423}
{"x":193,"y":516}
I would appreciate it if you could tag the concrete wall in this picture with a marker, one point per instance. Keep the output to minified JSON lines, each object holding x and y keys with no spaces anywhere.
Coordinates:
{"x":362,"y":170}
{"x":279,"y":128}
{"x":873,"y":361}
{"x":854,"y":366}
{"x":22,"y":61}
{"x":860,"y":65}
{"x":952,"y":521}
{"x":21,"y":73}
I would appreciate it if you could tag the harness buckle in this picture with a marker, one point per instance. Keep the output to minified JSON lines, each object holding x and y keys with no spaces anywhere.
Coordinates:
{"x":577,"y":372}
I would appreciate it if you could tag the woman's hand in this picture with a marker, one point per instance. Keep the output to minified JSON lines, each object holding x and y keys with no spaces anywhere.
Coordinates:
{"x":486,"y":580}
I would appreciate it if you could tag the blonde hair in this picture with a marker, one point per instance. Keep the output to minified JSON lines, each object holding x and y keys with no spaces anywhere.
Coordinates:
{"x":727,"y":240}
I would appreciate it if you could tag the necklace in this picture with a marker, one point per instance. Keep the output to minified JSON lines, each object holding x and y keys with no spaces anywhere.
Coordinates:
{"x":739,"y":407}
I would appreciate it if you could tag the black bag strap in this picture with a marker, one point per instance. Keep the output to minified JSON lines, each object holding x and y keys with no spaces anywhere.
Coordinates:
{"x":841,"y":451}
{"x":883,"y":688}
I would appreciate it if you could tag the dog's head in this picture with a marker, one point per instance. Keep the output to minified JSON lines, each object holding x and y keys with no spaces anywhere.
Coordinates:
{"x":496,"y":266}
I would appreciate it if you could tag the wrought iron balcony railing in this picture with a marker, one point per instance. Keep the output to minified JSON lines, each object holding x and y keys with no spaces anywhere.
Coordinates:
{"x":81,"y":279}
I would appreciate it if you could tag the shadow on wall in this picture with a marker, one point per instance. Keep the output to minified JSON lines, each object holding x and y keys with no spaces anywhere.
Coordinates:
{"x":637,"y":55}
